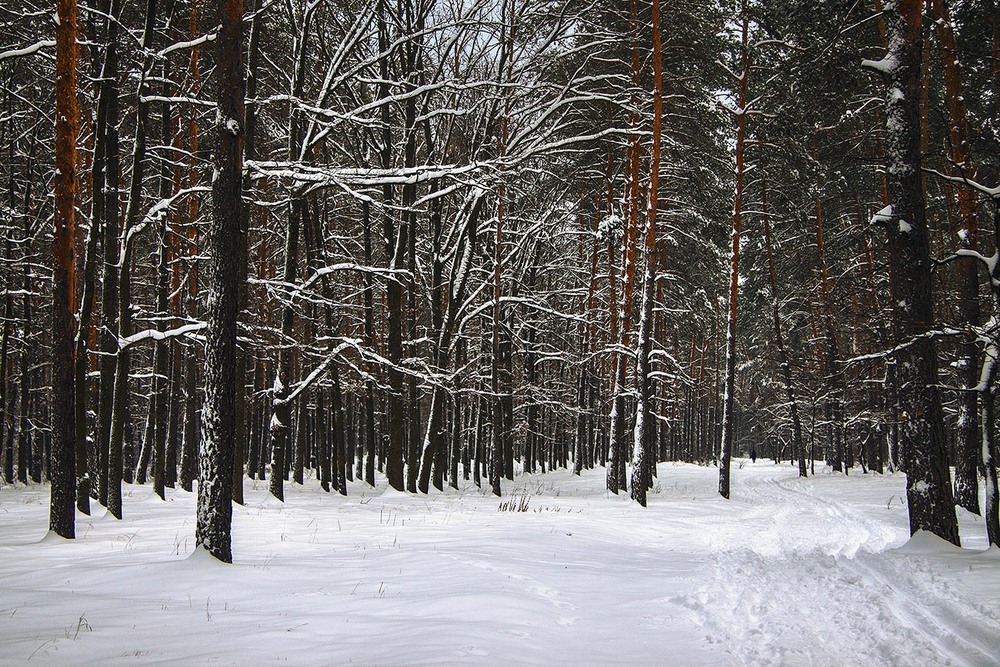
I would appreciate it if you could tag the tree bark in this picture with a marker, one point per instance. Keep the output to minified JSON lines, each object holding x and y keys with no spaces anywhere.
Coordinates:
{"x":119,"y":403}
{"x":63,"y":464}
{"x":643,"y":448}
{"x":107,"y":181}
{"x":616,"y":479}
{"x":226,"y":236}
{"x":922,"y":438}
{"x":798,"y":448}
{"x":728,"y":403}
{"x":965,"y":227}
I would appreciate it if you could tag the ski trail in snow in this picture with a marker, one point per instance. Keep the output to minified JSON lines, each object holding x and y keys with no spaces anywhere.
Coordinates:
{"x":536,"y":587}
{"x":820,"y":575}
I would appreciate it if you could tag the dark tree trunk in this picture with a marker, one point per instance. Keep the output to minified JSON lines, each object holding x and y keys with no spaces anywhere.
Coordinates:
{"x":110,"y":213}
{"x":922,"y":437}
{"x":6,"y":403}
{"x":225,"y":239}
{"x":119,"y":402}
{"x":728,"y":402}
{"x":82,"y":365}
{"x":161,"y":353}
{"x":965,"y":227}
{"x":798,"y":448}
{"x":189,"y":448}
{"x":63,"y":465}
{"x":174,"y":420}
{"x":243,"y":405}
{"x":644,"y":454}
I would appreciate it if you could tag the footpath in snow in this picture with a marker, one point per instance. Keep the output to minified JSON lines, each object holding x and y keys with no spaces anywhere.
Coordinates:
{"x":788,"y":572}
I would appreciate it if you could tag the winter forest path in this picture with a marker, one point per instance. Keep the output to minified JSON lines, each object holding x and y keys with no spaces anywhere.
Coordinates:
{"x":817,"y":576}
{"x":789,"y":572}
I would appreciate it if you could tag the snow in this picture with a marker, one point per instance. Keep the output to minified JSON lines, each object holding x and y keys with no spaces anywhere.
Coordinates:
{"x":28,"y":50}
{"x":886,"y":65}
{"x":793,"y":572}
{"x":883,"y":216}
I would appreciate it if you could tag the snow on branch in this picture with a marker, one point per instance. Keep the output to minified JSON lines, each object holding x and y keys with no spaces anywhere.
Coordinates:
{"x":359,"y":176}
{"x":936,"y":333}
{"x":346,"y":266}
{"x":189,"y":44}
{"x":885,"y":66}
{"x":305,"y":383}
{"x":173,"y":99}
{"x":153,"y":334}
{"x":993,"y":193}
{"x":28,"y":50}
{"x":988,"y":263}
{"x":158,"y":210}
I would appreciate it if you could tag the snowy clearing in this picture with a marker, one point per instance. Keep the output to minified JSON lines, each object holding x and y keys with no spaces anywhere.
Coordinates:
{"x":791,"y":572}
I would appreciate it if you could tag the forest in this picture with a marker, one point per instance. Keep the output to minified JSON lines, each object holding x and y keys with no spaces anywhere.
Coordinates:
{"x":431,"y":241}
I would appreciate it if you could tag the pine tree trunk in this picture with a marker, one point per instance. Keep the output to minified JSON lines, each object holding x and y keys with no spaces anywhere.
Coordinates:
{"x":728,"y":420}
{"x":616,"y":480}
{"x":967,"y":454}
{"x":830,"y":349}
{"x":63,"y":464}
{"x":82,"y":365}
{"x":174,"y":418}
{"x":798,"y":448}
{"x":987,"y":401}
{"x":922,"y":438}
{"x":226,"y":237}
{"x":119,"y":403}
{"x":161,"y":352}
{"x":189,"y":448}
{"x":7,"y":405}
{"x":110,"y":214}
{"x":370,"y":342}
{"x":643,"y":448}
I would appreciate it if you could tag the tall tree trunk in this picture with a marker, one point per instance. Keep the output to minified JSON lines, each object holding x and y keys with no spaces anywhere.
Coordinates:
{"x":412,"y":74}
{"x":283,"y":378}
{"x":243,"y":404}
{"x":370,"y":342}
{"x":967,"y":450}
{"x":798,"y":448}
{"x":161,"y":353}
{"x":119,"y":404}
{"x":281,"y":419}
{"x":82,"y":365}
{"x":106,"y":187}
{"x":616,"y":480}
{"x":728,"y":401}
{"x":225,"y":239}
{"x":928,"y":489}
{"x":6,"y":402}
{"x":190,"y":436}
{"x":395,"y":239}
{"x":643,"y":452}
{"x":830,"y":348}
{"x":63,"y":466}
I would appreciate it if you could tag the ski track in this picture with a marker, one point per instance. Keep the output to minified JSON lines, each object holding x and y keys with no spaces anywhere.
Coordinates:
{"x":777,"y":599}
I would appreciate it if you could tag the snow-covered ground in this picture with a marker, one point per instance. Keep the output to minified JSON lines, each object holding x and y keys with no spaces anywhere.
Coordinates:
{"x":789,"y":572}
